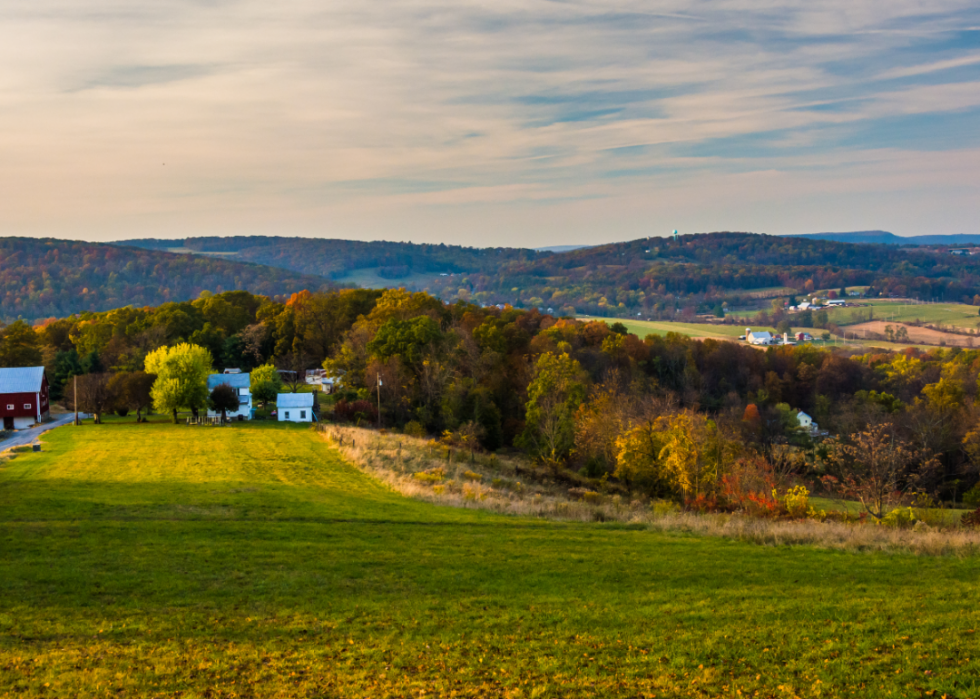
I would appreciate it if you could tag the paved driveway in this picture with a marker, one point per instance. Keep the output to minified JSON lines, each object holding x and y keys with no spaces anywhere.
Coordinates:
{"x":23,"y":437}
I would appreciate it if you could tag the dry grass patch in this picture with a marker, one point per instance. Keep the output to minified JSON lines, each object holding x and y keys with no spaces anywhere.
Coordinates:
{"x":431,"y":472}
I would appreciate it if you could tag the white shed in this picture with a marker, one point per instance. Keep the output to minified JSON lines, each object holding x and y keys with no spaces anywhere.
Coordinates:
{"x":296,"y":407}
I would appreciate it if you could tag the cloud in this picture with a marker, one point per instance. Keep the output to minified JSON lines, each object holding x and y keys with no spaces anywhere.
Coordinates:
{"x":362,"y":119}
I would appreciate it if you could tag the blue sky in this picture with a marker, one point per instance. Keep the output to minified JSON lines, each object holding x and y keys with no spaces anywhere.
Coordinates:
{"x":507,"y":123}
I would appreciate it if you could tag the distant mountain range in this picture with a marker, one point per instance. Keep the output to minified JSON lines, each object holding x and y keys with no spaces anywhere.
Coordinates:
{"x":886,"y":238}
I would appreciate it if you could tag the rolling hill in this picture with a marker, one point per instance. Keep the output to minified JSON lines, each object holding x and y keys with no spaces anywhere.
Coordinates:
{"x":41,"y":278}
{"x":886,"y":238}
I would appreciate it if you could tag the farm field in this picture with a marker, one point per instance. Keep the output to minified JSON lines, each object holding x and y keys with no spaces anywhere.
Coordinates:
{"x":917,"y":335}
{"x":163,"y":560}
{"x":642,"y":328}
{"x":957,"y":314}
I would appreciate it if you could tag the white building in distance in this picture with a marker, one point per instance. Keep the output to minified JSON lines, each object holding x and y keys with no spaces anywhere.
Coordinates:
{"x":296,"y":407}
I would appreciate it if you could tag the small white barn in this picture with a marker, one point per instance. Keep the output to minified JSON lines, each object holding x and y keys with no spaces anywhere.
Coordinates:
{"x":296,"y":407}
{"x":806,"y":422}
{"x":242,"y":383}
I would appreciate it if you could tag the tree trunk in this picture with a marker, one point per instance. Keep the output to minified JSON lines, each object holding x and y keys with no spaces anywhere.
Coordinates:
{"x":175,"y":416}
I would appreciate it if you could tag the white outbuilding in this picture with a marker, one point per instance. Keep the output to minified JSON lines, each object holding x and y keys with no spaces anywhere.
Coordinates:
{"x":296,"y":407}
{"x":806,"y":422}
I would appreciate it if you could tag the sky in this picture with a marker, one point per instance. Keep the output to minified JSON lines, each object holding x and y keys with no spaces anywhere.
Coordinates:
{"x":526,"y":123}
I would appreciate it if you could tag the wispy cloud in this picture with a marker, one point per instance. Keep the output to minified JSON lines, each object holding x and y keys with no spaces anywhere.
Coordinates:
{"x":578,"y":120}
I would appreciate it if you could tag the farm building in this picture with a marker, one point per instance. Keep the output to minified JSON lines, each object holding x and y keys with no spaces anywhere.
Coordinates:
{"x":296,"y":407}
{"x":23,"y":396}
{"x":242,"y":383}
{"x":758,"y":338}
{"x":806,"y":422}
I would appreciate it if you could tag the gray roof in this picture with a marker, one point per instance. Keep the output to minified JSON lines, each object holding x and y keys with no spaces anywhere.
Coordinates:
{"x":233,"y":380}
{"x":294,"y":400}
{"x":25,"y":379}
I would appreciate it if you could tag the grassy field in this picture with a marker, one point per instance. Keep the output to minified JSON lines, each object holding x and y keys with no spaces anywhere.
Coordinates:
{"x":369,"y":279}
{"x":250,"y":561}
{"x":955,"y":314}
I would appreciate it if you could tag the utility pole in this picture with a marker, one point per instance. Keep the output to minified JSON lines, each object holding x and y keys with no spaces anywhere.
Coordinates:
{"x":379,"y":400}
{"x":74,"y":399}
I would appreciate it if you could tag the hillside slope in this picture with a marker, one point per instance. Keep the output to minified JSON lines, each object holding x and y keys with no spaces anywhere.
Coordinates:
{"x":337,"y":259}
{"x":885,"y":238}
{"x":40,"y":278}
{"x":653,"y":276}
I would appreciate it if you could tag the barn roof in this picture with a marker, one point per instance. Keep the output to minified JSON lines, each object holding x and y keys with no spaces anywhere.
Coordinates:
{"x":294,"y":400}
{"x":25,"y":379}
{"x":233,"y":380}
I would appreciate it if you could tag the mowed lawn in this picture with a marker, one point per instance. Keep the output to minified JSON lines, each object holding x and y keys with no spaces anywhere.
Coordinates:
{"x":249,"y":561}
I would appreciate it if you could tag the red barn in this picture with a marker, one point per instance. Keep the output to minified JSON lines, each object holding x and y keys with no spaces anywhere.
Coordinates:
{"x":23,"y":396}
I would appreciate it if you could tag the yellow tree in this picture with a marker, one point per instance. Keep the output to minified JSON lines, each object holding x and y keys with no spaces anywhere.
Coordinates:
{"x":182,"y":377}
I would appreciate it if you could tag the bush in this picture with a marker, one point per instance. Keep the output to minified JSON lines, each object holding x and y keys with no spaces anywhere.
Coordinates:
{"x":585,"y":494}
{"x":972,"y":496}
{"x":971,"y":519}
{"x":797,"y":501}
{"x":414,"y":429}
{"x":472,"y":476}
{"x":901,"y":517}
{"x":356,"y":411}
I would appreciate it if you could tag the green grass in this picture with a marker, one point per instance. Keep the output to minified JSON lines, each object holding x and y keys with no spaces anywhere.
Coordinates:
{"x":157,"y":560}
{"x":369,"y":279}
{"x":956,"y":314}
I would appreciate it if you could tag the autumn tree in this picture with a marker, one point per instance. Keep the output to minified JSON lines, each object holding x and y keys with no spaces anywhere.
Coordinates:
{"x":182,"y":376}
{"x":684,"y":453}
{"x":555,"y":392}
{"x":876,"y":468}
{"x":19,"y":345}
{"x":92,"y":393}
{"x":133,"y":391}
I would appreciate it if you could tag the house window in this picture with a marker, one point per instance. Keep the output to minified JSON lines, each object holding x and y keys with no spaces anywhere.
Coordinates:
{"x":287,"y":414}
{"x":10,"y":406}
{"x":27,"y":406}
{"x":243,"y":392}
{"x":302,"y":414}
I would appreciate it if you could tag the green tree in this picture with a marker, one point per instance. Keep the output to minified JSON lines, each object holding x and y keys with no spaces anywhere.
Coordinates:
{"x":19,"y":345}
{"x":407,"y":339}
{"x":182,"y":377}
{"x":554,"y":395}
{"x":133,"y":391}
{"x":266,"y":383}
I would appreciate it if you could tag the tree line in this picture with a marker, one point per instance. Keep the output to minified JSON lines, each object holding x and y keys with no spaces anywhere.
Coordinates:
{"x":695,"y":420}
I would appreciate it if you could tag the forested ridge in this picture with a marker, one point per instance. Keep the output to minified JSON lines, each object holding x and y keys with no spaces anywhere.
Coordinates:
{"x":652,"y":276}
{"x":335,"y":258}
{"x":41,"y":278}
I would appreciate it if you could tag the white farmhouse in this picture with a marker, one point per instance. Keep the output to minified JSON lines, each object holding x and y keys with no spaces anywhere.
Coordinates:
{"x":806,"y":423}
{"x":242,"y":383}
{"x":296,"y":407}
